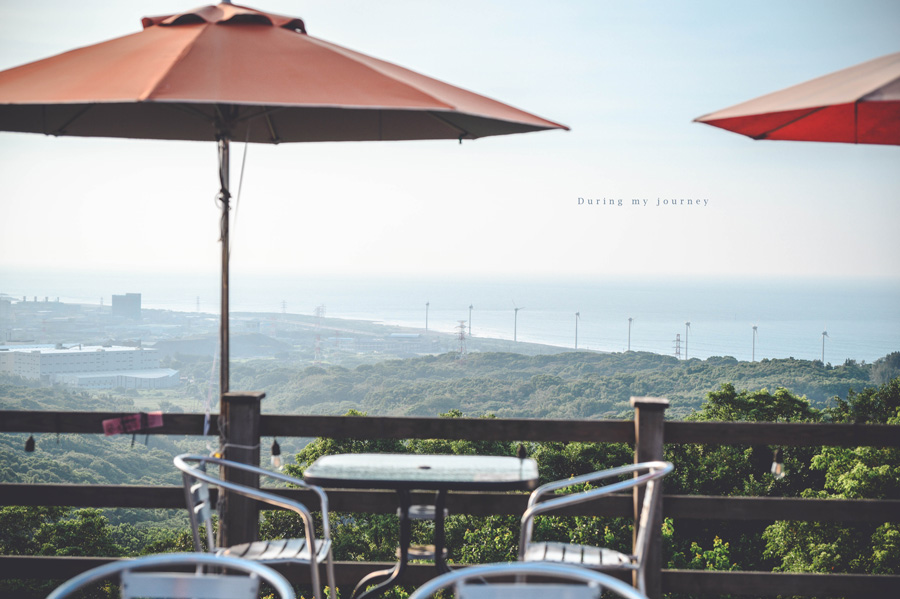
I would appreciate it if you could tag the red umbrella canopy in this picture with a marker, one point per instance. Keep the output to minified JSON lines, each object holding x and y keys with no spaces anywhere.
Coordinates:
{"x":860,"y":104}
{"x":250,"y":74}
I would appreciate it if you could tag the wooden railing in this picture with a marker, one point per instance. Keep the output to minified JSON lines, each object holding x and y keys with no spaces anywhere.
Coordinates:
{"x":648,"y":432}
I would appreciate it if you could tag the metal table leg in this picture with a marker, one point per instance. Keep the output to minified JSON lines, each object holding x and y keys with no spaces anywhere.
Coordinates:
{"x":439,"y":538}
{"x":389,"y":577}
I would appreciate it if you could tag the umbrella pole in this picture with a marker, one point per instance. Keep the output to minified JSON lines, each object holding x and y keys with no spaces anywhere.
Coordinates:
{"x":224,"y":198}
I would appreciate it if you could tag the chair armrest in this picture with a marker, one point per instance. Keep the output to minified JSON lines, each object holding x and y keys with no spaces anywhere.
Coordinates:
{"x":594,"y":476}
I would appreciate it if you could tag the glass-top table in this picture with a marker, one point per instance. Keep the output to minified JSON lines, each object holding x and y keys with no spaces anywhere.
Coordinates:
{"x":424,"y":472}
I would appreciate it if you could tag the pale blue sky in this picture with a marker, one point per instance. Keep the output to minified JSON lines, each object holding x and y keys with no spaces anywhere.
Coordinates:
{"x":627,"y":76}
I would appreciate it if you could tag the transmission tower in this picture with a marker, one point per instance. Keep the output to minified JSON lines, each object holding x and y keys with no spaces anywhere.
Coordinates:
{"x":677,"y":346}
{"x":461,"y":338}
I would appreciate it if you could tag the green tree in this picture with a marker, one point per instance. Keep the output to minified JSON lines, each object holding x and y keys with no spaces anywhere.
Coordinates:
{"x":850,"y":473}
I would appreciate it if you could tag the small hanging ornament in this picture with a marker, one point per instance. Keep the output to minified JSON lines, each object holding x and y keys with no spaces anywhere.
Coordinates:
{"x":29,"y":444}
{"x":276,"y":454}
{"x":777,"y":465}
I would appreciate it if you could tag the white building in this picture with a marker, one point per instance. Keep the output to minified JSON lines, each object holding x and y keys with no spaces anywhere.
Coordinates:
{"x":88,"y":366}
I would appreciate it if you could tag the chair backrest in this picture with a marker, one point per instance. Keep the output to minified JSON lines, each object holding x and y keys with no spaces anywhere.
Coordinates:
{"x":182,"y":585}
{"x":581,"y":583}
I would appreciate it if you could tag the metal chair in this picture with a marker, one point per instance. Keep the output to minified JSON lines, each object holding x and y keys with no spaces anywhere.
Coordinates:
{"x":575,"y":583}
{"x":182,"y":584}
{"x":308,"y":550}
{"x":648,"y":475}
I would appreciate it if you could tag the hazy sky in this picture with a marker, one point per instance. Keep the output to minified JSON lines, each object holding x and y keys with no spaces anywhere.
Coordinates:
{"x":627,"y":76}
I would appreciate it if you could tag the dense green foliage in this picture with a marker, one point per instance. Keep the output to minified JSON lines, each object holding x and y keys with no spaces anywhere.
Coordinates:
{"x":563,"y":385}
{"x":573,"y":385}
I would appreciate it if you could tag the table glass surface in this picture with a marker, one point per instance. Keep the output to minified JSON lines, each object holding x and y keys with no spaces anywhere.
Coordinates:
{"x":375,"y":470}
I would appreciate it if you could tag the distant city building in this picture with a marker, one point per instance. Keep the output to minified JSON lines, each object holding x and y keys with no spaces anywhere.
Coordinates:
{"x":91,"y":366}
{"x":394,"y":343}
{"x":5,"y":318}
{"x":127,"y":306}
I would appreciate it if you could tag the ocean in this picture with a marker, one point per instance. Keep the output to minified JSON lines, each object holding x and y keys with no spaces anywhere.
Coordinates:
{"x":861,"y":318}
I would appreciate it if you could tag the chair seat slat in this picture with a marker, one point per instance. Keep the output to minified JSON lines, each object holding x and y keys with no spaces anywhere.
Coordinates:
{"x":583,"y":555}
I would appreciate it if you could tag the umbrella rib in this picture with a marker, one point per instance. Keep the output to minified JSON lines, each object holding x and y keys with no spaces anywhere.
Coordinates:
{"x":61,"y":130}
{"x":462,"y":132}
{"x":265,"y":113}
{"x":788,"y":123}
{"x":271,"y":126}
{"x":190,"y":109}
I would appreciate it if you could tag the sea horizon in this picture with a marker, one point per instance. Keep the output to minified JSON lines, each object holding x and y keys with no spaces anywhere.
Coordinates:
{"x":861,"y":316}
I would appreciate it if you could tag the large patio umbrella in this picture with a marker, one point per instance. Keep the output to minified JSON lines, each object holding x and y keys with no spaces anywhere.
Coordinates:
{"x":227,"y":72}
{"x":859,"y":104}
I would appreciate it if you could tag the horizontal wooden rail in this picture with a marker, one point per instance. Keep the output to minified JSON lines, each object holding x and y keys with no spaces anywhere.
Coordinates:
{"x":772,"y":584}
{"x":363,"y":427}
{"x":479,"y":429}
{"x":15,"y":421}
{"x":698,"y":582}
{"x":689,"y":507}
{"x":783,"y":433}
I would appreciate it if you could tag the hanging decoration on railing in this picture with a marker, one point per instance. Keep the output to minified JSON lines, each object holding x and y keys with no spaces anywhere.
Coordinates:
{"x":29,"y":444}
{"x":276,"y":454}
{"x":133,"y":423}
{"x":777,"y":465}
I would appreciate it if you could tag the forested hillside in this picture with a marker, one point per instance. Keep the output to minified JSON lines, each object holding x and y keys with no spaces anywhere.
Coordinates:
{"x":564,"y":385}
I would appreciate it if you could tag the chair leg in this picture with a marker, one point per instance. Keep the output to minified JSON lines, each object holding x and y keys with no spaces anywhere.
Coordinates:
{"x":314,"y":571}
{"x":329,"y":573}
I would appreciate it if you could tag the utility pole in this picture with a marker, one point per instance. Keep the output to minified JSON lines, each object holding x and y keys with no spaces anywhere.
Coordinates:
{"x":577,"y":316}
{"x":687,"y":327}
{"x":629,"y":333}
{"x":753,"y":355}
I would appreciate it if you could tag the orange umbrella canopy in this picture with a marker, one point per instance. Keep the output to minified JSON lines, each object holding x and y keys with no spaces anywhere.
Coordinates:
{"x":860,"y":104}
{"x":245,"y":74}
{"x":230,"y":72}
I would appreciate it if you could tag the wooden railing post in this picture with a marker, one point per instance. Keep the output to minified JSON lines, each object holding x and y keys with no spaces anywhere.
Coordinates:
{"x":649,"y":416}
{"x":239,"y":442}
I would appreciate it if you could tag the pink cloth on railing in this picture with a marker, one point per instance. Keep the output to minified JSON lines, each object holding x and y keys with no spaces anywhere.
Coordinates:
{"x":132,"y":423}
